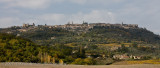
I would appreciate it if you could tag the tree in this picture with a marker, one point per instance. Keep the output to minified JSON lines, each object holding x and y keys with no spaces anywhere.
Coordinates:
{"x":135,"y":45}
{"x":60,"y":61}
{"x":81,"y":52}
{"x":49,"y":58}
{"x":89,"y":61}
{"x":78,"y":61}
{"x":53,"y":60}
{"x":123,"y":49}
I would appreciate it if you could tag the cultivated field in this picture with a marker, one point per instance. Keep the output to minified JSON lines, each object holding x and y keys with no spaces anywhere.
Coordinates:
{"x":31,"y":65}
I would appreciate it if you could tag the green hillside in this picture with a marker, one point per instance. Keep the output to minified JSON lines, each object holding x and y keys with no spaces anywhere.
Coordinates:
{"x":16,"y":49}
{"x":99,"y":45}
{"x":97,"y":35}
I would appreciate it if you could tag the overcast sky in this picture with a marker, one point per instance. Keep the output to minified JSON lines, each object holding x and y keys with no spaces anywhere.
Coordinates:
{"x":145,"y":13}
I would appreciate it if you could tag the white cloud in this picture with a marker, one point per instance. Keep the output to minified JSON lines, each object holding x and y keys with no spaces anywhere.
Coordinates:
{"x":96,"y":1}
{"x":78,"y":1}
{"x":144,"y":13}
{"x":52,"y":18}
{"x":91,"y":17}
{"x":40,"y":4}
{"x":55,"y":19}
{"x":33,"y":4}
{"x":94,"y":16}
{"x":8,"y":21}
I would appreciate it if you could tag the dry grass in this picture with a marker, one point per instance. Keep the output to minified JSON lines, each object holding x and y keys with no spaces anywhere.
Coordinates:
{"x":70,"y":44}
{"x":26,"y":65}
{"x":115,"y":44}
{"x":110,"y":45}
{"x":138,"y":62}
{"x":144,"y":62}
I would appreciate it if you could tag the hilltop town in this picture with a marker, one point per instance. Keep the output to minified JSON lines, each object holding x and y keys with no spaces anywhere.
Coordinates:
{"x":75,"y":27}
{"x":103,"y":42}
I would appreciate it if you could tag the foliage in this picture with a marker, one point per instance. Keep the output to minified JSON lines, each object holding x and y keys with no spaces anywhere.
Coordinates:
{"x":16,"y":49}
{"x":86,"y":61}
{"x":54,"y":45}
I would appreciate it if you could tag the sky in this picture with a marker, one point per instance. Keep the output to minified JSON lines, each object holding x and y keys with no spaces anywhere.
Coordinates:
{"x":145,"y":13}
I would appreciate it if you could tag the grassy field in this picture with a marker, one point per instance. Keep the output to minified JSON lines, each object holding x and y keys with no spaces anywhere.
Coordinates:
{"x":138,"y":62}
{"x":115,"y":44}
{"x":31,"y":65}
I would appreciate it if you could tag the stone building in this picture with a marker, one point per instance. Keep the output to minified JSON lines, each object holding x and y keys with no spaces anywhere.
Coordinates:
{"x":28,"y":25}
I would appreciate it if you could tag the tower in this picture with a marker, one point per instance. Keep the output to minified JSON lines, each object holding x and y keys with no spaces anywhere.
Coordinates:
{"x":122,"y":23}
{"x":72,"y":22}
{"x":83,"y":22}
{"x":33,"y":24}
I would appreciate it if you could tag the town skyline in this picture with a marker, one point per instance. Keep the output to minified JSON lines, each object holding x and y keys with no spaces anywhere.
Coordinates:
{"x":55,"y":12}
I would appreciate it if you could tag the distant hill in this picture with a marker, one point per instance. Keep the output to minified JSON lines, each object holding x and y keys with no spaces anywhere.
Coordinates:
{"x":98,"y":35}
{"x":103,"y":44}
{"x":91,"y":33}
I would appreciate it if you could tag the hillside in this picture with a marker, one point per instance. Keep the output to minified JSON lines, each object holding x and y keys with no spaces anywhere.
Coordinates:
{"x":97,"y":35}
{"x":99,"y":45}
{"x":17,"y":49}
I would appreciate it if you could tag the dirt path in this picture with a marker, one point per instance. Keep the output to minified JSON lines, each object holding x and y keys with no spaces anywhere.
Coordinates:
{"x":30,"y":65}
